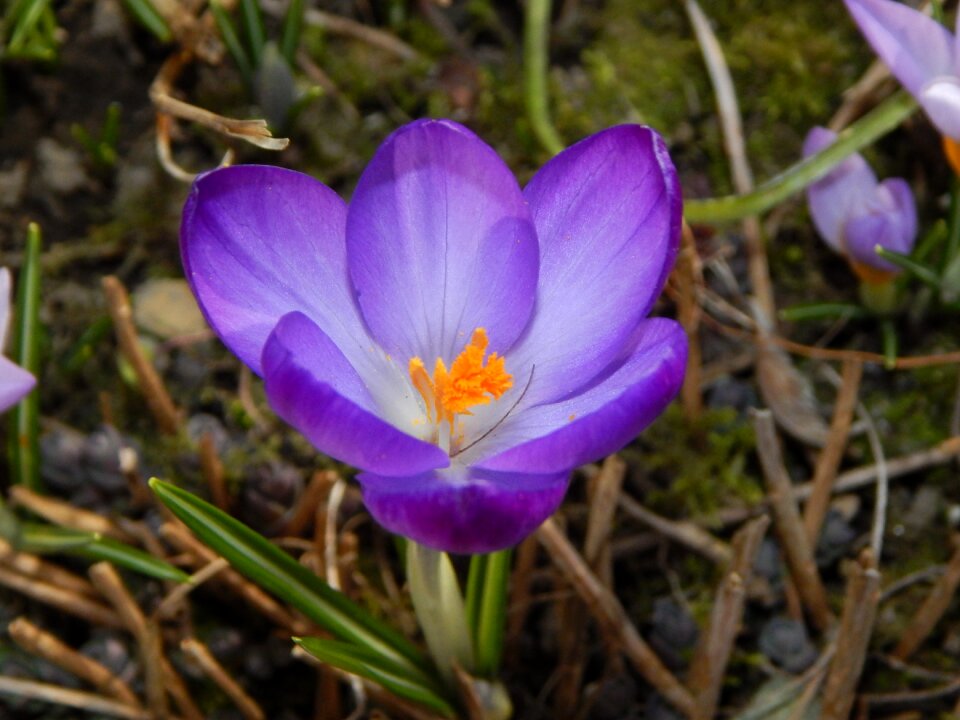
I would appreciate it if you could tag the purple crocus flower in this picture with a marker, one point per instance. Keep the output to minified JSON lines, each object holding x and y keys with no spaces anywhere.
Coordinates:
{"x":15,"y":382}
{"x":465,"y":344}
{"x":854,"y":213}
{"x":920,"y":52}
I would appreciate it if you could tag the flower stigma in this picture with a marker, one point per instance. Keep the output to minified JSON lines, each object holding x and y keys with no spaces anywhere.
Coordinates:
{"x":471,"y":380}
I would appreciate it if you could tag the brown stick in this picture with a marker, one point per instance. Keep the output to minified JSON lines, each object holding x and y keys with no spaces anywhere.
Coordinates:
{"x":716,"y":643}
{"x":211,"y":467}
{"x":64,"y":514}
{"x":829,"y":461}
{"x":199,"y":652}
{"x":520,"y":594}
{"x":64,"y":600}
{"x":50,"y":648}
{"x":683,"y":532}
{"x":688,"y":276}
{"x":930,"y":612}
{"x":853,"y":637}
{"x":158,"y":399}
{"x":111,"y":586}
{"x":608,"y":611}
{"x":793,"y":538}
{"x":56,"y":695}
{"x":35,"y":567}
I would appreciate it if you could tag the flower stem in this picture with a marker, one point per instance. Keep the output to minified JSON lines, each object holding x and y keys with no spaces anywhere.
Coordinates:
{"x":536,"y":33}
{"x":439,"y":607}
{"x":486,"y":608}
{"x":881,"y":120}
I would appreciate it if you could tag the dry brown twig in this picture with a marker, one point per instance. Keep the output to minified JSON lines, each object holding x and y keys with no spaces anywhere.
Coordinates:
{"x":164,"y":410}
{"x":202,"y":656}
{"x":931,"y":610}
{"x":688,"y":277}
{"x":66,"y":601}
{"x":211,"y":467}
{"x":35,"y":567}
{"x":828,"y":463}
{"x":56,"y":695}
{"x":47,"y":646}
{"x":788,"y":525}
{"x":853,"y":638}
{"x":710,"y":659}
{"x":608,"y":611}
{"x":64,"y":514}
{"x":683,"y":532}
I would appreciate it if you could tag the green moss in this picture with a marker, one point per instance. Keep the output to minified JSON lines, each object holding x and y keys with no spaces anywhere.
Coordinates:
{"x":703,"y":463}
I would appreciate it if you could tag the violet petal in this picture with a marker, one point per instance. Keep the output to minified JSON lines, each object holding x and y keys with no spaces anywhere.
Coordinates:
{"x":440,"y":243}
{"x":915,"y":47}
{"x":832,"y":198}
{"x":311,"y":385}
{"x":888,"y":220}
{"x":259,"y":242}
{"x":940,"y":99}
{"x":607,"y":212}
{"x":600,"y":420}
{"x":466,"y":511}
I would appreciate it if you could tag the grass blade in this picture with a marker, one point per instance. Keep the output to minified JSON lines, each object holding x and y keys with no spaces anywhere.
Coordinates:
{"x":43,"y":539}
{"x":292,"y":26}
{"x":24,"y":447}
{"x":228,"y":33}
{"x":253,"y":29}
{"x":276,"y":571}
{"x":368,"y":665}
{"x":492,"y":614}
{"x":146,"y":13}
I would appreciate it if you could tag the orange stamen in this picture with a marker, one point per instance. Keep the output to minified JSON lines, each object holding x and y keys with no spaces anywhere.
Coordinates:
{"x":952,"y":150}
{"x":470,"y":380}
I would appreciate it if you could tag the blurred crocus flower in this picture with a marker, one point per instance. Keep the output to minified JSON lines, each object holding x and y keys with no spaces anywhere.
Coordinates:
{"x":923,"y":55}
{"x":855,"y":214}
{"x":15,"y":382}
{"x":465,"y":344}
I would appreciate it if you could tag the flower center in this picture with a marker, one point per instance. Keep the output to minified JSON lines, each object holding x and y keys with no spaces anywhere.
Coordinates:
{"x":471,"y":380}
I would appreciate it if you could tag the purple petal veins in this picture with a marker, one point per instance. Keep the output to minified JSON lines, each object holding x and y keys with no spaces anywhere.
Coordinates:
{"x":370,"y":322}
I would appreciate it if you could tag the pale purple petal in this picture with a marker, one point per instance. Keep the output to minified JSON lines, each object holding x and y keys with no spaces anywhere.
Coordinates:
{"x":607,"y":212}
{"x":15,"y":383}
{"x":603,"y":418}
{"x":440,"y":243}
{"x":839,"y":193}
{"x":888,"y":220}
{"x":312,"y":386}
{"x":259,"y":242}
{"x":915,"y":47}
{"x":464,"y":510}
{"x":941,"y":100}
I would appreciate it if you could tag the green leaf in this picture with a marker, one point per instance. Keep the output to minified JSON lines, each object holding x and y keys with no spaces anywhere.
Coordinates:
{"x":24,"y":445}
{"x":43,"y":539}
{"x":228,"y":33}
{"x":292,"y":27}
{"x":369,"y":665}
{"x":270,"y":567}
{"x":147,"y":15}
{"x":924,"y":273}
{"x":877,"y":123}
{"x":253,"y":29}
{"x":491,"y":615}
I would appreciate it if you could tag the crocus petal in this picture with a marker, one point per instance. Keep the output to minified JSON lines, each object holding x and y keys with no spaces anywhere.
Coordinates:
{"x":15,"y":383}
{"x":600,"y":420}
{"x":840,"y":192}
{"x":889,"y":221}
{"x":941,"y":100}
{"x":440,"y":243}
{"x":312,"y":386}
{"x":259,"y":242}
{"x":464,"y":510}
{"x":607,"y":212}
{"x":915,"y":47}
